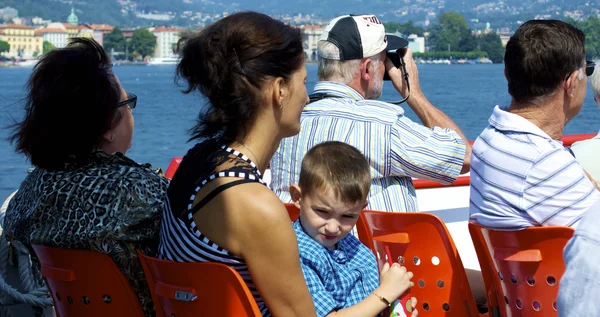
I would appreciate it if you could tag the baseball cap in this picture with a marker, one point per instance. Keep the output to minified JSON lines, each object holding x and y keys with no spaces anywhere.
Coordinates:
{"x":356,"y":37}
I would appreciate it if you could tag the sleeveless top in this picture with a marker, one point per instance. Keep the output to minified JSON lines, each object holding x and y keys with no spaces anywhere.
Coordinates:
{"x":180,"y":238}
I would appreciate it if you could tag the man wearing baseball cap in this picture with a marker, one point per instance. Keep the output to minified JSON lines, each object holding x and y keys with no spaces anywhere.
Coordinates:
{"x":352,"y":64}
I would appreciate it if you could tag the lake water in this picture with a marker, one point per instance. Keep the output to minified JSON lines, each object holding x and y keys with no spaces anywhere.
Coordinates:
{"x":467,"y":93}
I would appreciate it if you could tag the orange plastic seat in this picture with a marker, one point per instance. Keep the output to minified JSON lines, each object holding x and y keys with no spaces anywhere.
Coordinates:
{"x":421,"y":242}
{"x":173,"y":166}
{"x":364,"y":234}
{"x":86,"y":283}
{"x":197,"y":289}
{"x":521,"y":269}
{"x":292,"y":211}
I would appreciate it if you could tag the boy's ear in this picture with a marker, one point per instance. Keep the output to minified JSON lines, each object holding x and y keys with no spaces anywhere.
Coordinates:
{"x":296,"y":194}
{"x":365,"y":205}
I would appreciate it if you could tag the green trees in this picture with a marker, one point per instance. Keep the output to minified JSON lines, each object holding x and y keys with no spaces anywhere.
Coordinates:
{"x":47,"y":47}
{"x":492,"y":44}
{"x":591,"y":28}
{"x":143,"y":42}
{"x":407,"y":28}
{"x":115,"y":40}
{"x":451,"y":33}
{"x":4,"y":46}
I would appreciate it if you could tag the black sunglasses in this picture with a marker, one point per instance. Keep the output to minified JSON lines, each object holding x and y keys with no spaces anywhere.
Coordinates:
{"x":589,"y":68}
{"x":131,"y":101}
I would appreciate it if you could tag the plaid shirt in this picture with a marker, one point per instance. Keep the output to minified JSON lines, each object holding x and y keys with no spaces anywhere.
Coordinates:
{"x":339,"y":278}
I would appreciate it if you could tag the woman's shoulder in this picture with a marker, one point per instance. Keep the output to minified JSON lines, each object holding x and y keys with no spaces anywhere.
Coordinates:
{"x":119,"y":174}
{"x":258,"y":208}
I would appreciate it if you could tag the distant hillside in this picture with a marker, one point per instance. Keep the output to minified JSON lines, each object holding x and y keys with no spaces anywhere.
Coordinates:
{"x":93,"y":11}
{"x":123,"y":12}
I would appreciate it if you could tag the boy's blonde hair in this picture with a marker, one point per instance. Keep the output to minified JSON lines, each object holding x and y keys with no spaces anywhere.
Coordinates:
{"x":339,"y":167}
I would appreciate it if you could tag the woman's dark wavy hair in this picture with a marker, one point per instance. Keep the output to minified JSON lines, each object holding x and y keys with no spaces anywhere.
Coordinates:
{"x":71,"y":102}
{"x":229,"y":61}
{"x":540,"y":55}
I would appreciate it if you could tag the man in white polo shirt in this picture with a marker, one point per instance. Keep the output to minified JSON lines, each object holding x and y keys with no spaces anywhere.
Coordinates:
{"x":521,"y":174}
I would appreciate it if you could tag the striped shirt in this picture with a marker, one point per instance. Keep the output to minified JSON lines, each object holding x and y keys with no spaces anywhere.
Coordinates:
{"x":396,"y":147}
{"x":520,"y":177}
{"x":180,"y":238}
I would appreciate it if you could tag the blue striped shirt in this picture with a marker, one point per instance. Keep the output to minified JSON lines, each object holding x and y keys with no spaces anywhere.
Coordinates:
{"x":396,"y":147}
{"x":520,"y":177}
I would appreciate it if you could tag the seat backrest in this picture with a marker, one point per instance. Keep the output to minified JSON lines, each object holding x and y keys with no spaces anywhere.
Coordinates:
{"x":421,"y":242}
{"x":173,"y":166}
{"x":197,"y":289}
{"x":521,"y":268}
{"x":292,"y":211}
{"x":86,"y":283}
{"x":364,"y":234}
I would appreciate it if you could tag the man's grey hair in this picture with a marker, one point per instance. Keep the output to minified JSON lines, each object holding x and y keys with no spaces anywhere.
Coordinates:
{"x":334,"y":70}
{"x":595,"y":81}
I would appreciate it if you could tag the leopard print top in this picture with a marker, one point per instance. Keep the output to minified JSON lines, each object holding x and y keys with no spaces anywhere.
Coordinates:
{"x":108,"y":204}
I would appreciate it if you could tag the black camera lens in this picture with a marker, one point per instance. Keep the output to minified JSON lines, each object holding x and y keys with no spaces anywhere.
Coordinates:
{"x":394,"y":56}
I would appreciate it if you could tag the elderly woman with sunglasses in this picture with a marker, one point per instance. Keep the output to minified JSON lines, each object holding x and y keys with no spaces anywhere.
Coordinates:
{"x":84,"y":192}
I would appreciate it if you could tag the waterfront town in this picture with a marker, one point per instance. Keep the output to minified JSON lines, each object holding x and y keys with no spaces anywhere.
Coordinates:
{"x":24,"y":39}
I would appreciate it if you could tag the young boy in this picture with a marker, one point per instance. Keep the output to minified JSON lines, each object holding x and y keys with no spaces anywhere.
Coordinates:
{"x":341,"y":273}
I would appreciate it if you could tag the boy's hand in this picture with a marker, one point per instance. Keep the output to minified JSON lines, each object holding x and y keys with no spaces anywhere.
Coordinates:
{"x":395,"y":280}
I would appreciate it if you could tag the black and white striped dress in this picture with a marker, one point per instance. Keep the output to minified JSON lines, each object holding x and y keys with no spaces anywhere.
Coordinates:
{"x":180,"y":239}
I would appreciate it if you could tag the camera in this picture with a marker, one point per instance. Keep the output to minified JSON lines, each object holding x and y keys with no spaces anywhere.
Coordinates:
{"x":396,"y":48}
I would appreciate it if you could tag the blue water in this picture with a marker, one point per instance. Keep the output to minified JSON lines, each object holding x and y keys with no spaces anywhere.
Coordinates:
{"x":467,"y":93}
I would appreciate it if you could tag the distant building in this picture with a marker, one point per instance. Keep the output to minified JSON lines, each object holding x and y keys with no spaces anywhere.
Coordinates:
{"x":416,"y":43}
{"x":73,"y":19}
{"x":39,"y":21}
{"x":55,"y":33}
{"x":22,"y":40}
{"x":58,"y":33}
{"x":504,"y":37}
{"x":99,"y":30}
{"x":104,"y":28}
{"x":166,"y":41}
{"x":154,"y":16}
{"x":22,"y":20}
{"x":128,"y":33}
{"x":8,"y":13}
{"x":310,"y":38}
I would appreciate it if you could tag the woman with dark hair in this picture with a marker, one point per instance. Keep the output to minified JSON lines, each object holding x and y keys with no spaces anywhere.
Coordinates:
{"x":251,"y":70}
{"x":84,"y":192}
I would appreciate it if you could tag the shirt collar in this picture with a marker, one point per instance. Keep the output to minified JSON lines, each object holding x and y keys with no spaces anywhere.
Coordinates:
{"x":337,"y":89}
{"x":338,"y":254}
{"x":503,"y":120}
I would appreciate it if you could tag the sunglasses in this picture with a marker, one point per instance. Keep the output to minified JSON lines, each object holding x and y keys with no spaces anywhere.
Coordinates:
{"x":131,"y":101}
{"x":589,"y":68}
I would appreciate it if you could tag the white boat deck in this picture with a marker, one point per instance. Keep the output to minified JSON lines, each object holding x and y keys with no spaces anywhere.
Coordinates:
{"x":451,"y":204}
